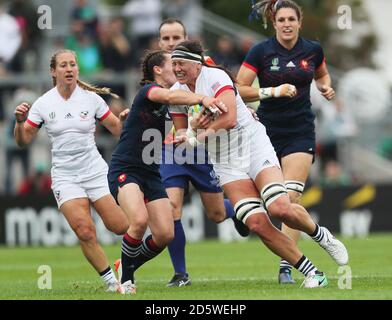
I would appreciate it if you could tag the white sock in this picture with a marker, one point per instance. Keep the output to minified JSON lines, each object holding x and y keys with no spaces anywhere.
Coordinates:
{"x":108,"y":276}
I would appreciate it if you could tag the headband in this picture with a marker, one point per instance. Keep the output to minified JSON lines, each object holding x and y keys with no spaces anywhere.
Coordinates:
{"x":184,"y":55}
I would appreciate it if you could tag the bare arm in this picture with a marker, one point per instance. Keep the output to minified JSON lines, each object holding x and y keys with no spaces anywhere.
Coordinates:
{"x":114,"y":124}
{"x":324,"y":82}
{"x":181,"y":97}
{"x":245,"y":80}
{"x":24,"y":133}
{"x":248,"y":93}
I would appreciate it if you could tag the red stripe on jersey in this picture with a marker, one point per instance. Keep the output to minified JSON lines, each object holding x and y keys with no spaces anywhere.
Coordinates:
{"x":32,"y":123}
{"x":105,"y":115}
{"x":208,"y":60}
{"x":149,"y":90}
{"x":228,"y":87}
{"x":178,"y":115}
{"x":249,"y":66}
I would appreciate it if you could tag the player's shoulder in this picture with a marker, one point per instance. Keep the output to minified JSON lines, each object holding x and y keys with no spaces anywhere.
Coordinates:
{"x":47,"y":99}
{"x":177,"y":86}
{"x":312,"y":45}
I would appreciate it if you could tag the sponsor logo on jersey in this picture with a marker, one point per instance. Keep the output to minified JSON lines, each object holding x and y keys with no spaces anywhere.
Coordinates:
{"x":290,"y":65}
{"x":57,"y":195}
{"x":83,"y":115}
{"x":275,"y":64}
{"x":122,"y":177}
{"x":304,"y":64}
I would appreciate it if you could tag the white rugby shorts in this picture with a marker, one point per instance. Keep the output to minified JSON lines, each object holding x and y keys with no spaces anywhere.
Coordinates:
{"x":246,"y":157}
{"x":74,"y":187}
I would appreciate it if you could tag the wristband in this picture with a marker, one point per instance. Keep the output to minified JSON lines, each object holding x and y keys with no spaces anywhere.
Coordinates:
{"x":265,"y":93}
{"x":24,"y":120}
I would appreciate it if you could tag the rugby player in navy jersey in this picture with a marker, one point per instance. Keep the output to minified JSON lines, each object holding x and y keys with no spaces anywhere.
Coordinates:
{"x":176,"y":177}
{"x":285,"y":66}
{"x":133,"y":176}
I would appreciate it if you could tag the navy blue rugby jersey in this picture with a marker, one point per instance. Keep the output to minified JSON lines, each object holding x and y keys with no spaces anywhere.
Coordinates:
{"x":275,"y":65}
{"x":144,"y":115}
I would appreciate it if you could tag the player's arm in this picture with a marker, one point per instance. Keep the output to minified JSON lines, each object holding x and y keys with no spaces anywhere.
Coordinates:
{"x":24,"y":132}
{"x":114,"y":124}
{"x":245,"y":79}
{"x":181,"y":97}
{"x":324,"y":82}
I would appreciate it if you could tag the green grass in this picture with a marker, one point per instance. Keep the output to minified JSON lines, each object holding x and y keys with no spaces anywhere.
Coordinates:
{"x":240,"y":270}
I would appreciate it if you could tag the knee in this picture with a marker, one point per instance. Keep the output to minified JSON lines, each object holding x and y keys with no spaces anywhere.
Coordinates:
{"x":262,"y":226}
{"x":176,"y":210}
{"x":162,"y":239}
{"x":295,"y":197}
{"x":139,"y":224}
{"x":85,"y":232}
{"x":216,"y":215}
{"x":281,"y":209}
{"x":120,"y":229}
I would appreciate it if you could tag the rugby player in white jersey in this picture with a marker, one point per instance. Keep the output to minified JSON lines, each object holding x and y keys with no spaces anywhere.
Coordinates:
{"x":79,"y":173}
{"x":246,"y":163}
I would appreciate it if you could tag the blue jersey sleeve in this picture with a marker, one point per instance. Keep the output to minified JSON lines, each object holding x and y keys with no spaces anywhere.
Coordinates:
{"x":144,"y":92}
{"x":319,"y":54}
{"x":254,"y":58}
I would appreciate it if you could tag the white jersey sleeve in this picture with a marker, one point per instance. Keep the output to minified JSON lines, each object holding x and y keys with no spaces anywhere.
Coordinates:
{"x":103,"y":110}
{"x":215,"y":81}
{"x":178,"y":110}
{"x":35,"y":118}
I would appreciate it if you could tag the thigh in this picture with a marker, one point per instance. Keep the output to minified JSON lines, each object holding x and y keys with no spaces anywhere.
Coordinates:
{"x":268,"y":176}
{"x":111,"y":214}
{"x":160,"y":216}
{"x":77,"y":212}
{"x":241,"y":189}
{"x":131,"y":200}
{"x":212,"y":202}
{"x":176,"y":197}
{"x":296,"y":166}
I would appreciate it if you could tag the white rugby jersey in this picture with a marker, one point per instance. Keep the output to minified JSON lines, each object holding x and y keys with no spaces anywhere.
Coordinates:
{"x":70,"y":125}
{"x":211,"y":82}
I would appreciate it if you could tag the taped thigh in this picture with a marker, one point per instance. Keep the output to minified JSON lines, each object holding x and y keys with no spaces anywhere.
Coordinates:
{"x":247,"y":207}
{"x":271,"y":192}
{"x":297,"y":186}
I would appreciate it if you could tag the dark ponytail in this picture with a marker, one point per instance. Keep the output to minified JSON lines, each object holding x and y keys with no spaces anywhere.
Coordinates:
{"x":150,"y":60}
{"x":267,"y":9}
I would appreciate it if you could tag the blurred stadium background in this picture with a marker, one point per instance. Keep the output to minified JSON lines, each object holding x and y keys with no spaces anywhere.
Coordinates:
{"x":351,"y":180}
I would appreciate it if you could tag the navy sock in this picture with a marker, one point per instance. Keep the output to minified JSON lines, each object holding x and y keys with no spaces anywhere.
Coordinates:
{"x":229,"y":209}
{"x":129,"y":255}
{"x":177,"y":248}
{"x":148,"y":250}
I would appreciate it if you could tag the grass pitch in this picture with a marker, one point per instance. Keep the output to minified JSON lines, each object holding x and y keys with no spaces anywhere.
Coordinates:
{"x":240,"y":270}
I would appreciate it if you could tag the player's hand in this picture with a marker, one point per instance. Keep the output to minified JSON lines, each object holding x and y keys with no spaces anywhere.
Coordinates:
{"x":21,"y":112}
{"x":202,"y":119}
{"x":327,"y":92}
{"x":285,"y":90}
{"x":123,"y":115}
{"x":214,"y":105}
{"x":179,"y":139}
